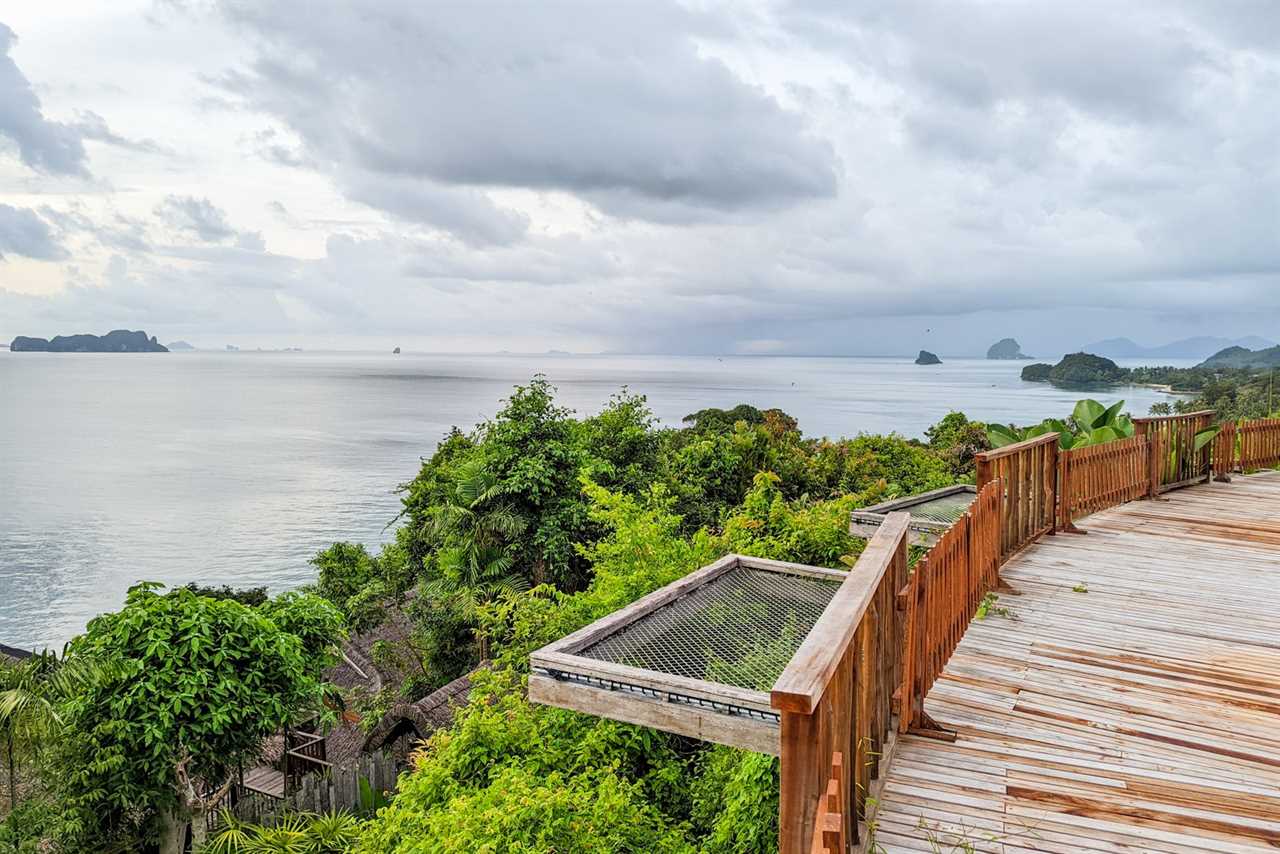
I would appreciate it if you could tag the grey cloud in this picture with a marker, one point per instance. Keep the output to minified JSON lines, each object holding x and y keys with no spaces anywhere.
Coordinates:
{"x":46,"y":146}
{"x":1063,"y":174}
{"x":582,"y":97}
{"x":116,"y":231}
{"x":270,"y":146}
{"x":24,"y":233}
{"x":468,"y":214}
{"x":1137,"y":62}
{"x":200,"y":217}
{"x":90,"y":125}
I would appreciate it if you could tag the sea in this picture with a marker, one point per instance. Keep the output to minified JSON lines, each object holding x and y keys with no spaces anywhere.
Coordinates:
{"x":237,"y":467}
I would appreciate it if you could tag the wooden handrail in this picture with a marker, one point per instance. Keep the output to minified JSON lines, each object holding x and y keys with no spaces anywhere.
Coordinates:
{"x":836,"y":697}
{"x":1016,"y":447}
{"x":1146,"y":418}
{"x":807,"y":675}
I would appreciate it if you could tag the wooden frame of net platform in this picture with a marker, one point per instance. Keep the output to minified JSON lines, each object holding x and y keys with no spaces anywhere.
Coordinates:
{"x":697,"y":657}
{"x":923,"y":529}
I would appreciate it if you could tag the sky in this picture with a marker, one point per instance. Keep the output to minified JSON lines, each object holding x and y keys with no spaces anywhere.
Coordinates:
{"x":816,"y":176}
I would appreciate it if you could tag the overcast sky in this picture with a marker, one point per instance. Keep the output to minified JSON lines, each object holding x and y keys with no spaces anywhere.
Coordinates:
{"x":821,"y":176}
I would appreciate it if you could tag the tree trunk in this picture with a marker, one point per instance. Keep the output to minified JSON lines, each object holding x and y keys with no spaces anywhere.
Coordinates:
{"x":199,"y":829}
{"x":13,"y":776}
{"x":173,"y":830}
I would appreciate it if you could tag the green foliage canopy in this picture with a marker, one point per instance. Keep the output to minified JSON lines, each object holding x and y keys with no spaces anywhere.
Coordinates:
{"x":196,"y":684}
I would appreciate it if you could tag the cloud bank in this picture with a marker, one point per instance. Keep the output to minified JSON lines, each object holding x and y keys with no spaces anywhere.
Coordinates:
{"x":790,"y":176}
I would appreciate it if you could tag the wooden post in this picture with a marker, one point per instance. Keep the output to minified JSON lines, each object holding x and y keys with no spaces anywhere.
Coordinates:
{"x":1153,"y":464}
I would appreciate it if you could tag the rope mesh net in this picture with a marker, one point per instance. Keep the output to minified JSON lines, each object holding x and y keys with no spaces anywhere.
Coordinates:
{"x":741,"y":628}
{"x":945,"y":509}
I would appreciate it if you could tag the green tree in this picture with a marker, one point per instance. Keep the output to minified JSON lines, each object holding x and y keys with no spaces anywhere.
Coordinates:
{"x":344,"y":569}
{"x":196,"y":685}
{"x":958,"y":440}
{"x":477,"y":527}
{"x":532,"y":450}
{"x":428,"y":488}
{"x":622,"y":444}
{"x":32,"y":692}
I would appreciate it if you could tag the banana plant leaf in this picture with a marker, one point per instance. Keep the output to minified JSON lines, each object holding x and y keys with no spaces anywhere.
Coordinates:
{"x":1204,"y":437}
{"x":1110,"y":416}
{"x":1087,"y":413}
{"x":1000,"y":435}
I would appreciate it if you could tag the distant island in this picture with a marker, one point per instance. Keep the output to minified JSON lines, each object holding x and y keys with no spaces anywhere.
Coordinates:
{"x":927,"y":358}
{"x":1200,"y":347}
{"x":179,"y":345}
{"x":1242,"y":357}
{"x":116,"y":341}
{"x":1006,"y":348}
{"x":1076,"y":369}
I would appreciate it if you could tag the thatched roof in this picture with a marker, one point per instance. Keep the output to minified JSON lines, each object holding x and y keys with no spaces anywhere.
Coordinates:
{"x":413,"y":722}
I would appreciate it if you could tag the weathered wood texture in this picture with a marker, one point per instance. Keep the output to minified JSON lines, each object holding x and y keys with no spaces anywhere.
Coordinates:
{"x":836,"y":695}
{"x":337,"y":789}
{"x":1096,"y":477}
{"x":1223,"y":457}
{"x":1029,"y":473}
{"x":1174,"y":461}
{"x":1259,"y":444}
{"x":828,"y":834}
{"x":944,"y":592}
{"x":1130,"y":703}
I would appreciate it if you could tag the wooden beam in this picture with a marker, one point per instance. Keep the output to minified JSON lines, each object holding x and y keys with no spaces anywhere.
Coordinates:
{"x":716,"y":692}
{"x":704,"y":724}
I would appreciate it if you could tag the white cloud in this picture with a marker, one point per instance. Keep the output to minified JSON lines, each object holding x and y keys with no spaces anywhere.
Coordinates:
{"x":784,"y":177}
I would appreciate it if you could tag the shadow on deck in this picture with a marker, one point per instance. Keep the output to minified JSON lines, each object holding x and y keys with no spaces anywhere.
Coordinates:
{"x":1129,"y":701}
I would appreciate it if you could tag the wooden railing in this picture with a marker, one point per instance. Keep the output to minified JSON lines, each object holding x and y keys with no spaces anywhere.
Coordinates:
{"x":1259,"y":444}
{"x":304,"y":754}
{"x":828,"y":826}
{"x":1028,"y":471}
{"x":945,"y":590}
{"x":1223,"y":456}
{"x":836,"y":694}
{"x":1174,"y":460}
{"x":339,"y":790}
{"x":1096,"y":477}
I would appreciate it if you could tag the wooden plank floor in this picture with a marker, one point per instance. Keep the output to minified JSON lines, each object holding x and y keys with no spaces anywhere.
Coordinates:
{"x":266,"y":780}
{"x":1141,"y":715}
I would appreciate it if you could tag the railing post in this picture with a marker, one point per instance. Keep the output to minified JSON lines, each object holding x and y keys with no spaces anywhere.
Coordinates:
{"x":1153,"y":463}
{"x":911,"y":644}
{"x":982,"y":472}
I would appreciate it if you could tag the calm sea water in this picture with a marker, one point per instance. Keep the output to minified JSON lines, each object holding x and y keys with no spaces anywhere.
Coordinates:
{"x":235,"y":468}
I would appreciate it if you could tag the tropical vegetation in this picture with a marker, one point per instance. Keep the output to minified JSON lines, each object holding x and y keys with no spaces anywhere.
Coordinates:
{"x":1090,"y":423}
{"x":512,"y":534}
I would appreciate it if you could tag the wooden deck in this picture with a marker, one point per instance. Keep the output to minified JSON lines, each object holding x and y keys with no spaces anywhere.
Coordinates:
{"x":1141,"y":715}
{"x":266,"y":780}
